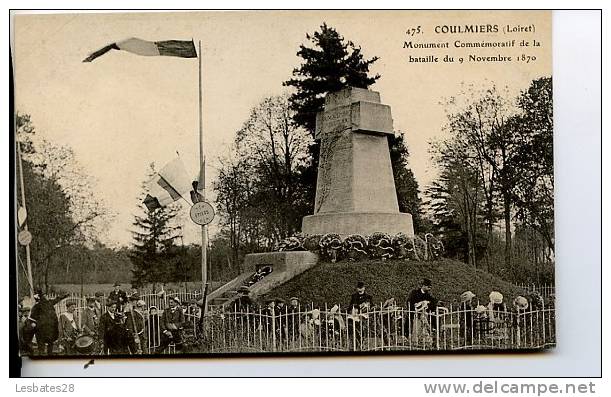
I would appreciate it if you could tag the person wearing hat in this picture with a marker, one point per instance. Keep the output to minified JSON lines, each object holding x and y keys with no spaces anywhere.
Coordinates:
{"x":465,"y":316}
{"x":90,"y":320}
{"x":112,"y":330}
{"x":292,"y":319}
{"x":152,"y":334}
{"x":520,"y":303}
{"x":359,"y":304}
{"x":99,"y":298}
{"x":390,"y":320}
{"x":293,"y":304}
{"x":134,"y":323}
{"x":496,"y":307}
{"x":244,"y":303}
{"x":44,"y":322}
{"x":422,"y":329}
{"x":268,"y":315}
{"x":26,"y":331}
{"x":280,"y":306}
{"x":281,"y":312}
{"x":521,"y":320}
{"x":134,"y":291}
{"x":497,"y":315}
{"x":360,"y":299}
{"x":171,"y":323}
{"x":420,"y":294}
{"x":118,"y":295}
{"x":68,"y":329}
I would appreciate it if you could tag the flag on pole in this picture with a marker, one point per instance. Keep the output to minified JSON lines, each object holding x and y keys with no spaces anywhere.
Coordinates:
{"x":168,"y":185}
{"x":170,"y":48}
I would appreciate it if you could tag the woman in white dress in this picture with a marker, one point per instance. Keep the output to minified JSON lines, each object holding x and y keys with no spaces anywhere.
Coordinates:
{"x":421,"y":328}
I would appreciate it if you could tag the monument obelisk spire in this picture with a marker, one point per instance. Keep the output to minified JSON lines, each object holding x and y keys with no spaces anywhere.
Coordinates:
{"x":355,"y":189}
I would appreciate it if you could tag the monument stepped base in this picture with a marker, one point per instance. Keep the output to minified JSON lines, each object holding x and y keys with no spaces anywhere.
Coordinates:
{"x":365,"y":223}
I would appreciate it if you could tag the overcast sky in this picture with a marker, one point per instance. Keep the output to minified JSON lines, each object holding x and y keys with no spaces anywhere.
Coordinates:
{"x":123,"y":111}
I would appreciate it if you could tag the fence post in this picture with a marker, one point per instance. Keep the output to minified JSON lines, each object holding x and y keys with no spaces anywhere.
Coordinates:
{"x":273,"y":313}
{"x":543,"y":310}
{"x":437,"y":328}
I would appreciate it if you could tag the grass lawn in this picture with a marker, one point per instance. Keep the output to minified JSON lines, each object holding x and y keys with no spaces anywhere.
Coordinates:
{"x":333,"y":283}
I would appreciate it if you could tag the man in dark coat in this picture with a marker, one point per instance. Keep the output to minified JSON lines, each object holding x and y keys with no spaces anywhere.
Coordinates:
{"x":134,"y":323}
{"x":91,"y":319}
{"x":360,"y":302}
{"x":292,"y":321}
{"x":112,"y":331}
{"x":360,"y":299}
{"x":422,"y":293}
{"x":43,"y":320}
{"x":26,"y":331}
{"x":119,"y":296}
{"x":171,"y":324}
{"x":244,"y":303}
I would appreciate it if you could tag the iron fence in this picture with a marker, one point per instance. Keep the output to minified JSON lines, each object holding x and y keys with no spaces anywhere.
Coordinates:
{"x":545,"y":290}
{"x":308,"y":328}
{"x":378,"y":330}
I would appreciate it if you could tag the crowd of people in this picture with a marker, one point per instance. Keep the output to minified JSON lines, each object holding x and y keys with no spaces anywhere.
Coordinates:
{"x":116,"y":324}
{"x":121,"y":323}
{"x":417,"y":321}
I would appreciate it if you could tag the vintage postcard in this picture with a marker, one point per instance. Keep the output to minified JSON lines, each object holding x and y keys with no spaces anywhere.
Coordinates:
{"x":283,"y":182}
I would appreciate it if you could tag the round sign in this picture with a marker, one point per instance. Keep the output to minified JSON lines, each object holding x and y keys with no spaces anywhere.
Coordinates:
{"x":24,"y":237}
{"x":202,"y":213}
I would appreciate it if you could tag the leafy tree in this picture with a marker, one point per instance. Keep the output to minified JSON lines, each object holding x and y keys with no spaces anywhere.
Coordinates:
{"x":276,"y":149}
{"x":232,"y":188}
{"x":534,"y":180}
{"x":48,"y":220}
{"x":154,"y":235}
{"x":331,"y":63}
{"x":483,"y":125}
{"x":504,"y":148}
{"x":258,"y":189}
{"x":405,"y":182}
{"x":457,"y":202}
{"x":62,"y":209}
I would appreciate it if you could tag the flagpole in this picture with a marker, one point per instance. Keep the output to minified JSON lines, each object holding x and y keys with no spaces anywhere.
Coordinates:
{"x":202,"y":188}
{"x":25,"y":225}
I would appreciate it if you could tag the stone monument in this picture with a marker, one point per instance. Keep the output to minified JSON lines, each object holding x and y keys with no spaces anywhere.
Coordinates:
{"x":355,"y":190}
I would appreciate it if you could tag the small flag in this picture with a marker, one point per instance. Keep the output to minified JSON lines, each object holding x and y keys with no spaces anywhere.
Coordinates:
{"x":168,"y":185}
{"x":170,"y":48}
{"x":151,"y":203}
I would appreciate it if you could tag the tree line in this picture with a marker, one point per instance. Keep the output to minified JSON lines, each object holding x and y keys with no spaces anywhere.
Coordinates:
{"x":493,"y":201}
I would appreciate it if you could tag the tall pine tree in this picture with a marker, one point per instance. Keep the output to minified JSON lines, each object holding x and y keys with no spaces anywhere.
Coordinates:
{"x":331,"y":63}
{"x":153,"y":253}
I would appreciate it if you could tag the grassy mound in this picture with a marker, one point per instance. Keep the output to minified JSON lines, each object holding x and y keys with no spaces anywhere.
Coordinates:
{"x":333,"y":283}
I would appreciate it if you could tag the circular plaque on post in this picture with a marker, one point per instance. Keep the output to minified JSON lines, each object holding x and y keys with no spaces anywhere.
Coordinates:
{"x":24,"y":237}
{"x":202,"y":213}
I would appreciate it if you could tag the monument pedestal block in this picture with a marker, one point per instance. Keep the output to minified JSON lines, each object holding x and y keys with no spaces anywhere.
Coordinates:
{"x":365,"y":223}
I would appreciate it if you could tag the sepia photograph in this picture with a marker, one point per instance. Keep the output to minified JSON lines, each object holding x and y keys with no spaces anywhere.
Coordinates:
{"x":231,"y":183}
